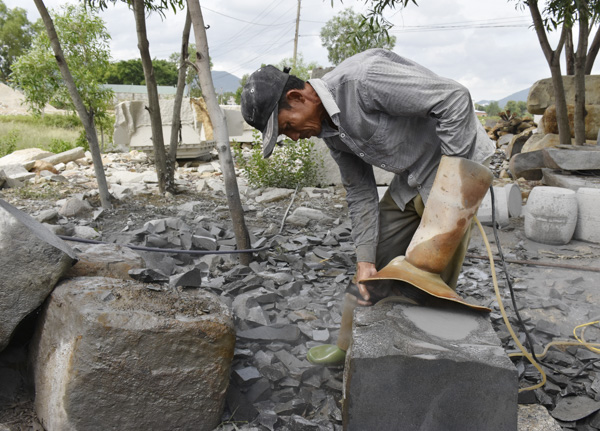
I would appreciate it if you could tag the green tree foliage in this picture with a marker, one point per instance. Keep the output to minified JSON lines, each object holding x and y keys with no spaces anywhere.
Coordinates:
{"x":493,"y":109}
{"x":517,"y":108}
{"x":16,"y":34}
{"x":238,"y":92}
{"x":346,"y":34}
{"x":131,"y":72}
{"x":84,"y":40}
{"x":302,"y":69}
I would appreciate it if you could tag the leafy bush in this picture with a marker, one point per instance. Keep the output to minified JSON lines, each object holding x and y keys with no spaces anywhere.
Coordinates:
{"x":8,"y":143}
{"x":60,"y":145}
{"x":292,"y":164}
{"x":82,"y":141}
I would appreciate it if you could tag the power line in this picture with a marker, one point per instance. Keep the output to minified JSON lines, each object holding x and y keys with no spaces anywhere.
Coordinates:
{"x":241,"y":20}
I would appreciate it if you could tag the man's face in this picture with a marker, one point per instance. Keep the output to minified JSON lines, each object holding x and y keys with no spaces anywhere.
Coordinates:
{"x":300,"y":122}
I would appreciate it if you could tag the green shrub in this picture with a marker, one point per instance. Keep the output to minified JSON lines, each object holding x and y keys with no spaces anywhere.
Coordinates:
{"x":8,"y":143}
{"x":60,"y":145}
{"x":82,"y":141}
{"x":292,"y":164}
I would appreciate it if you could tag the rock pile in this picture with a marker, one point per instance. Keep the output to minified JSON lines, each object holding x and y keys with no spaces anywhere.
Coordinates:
{"x":288,"y":299}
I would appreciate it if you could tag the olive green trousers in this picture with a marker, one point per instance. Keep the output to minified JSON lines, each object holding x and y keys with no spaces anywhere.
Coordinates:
{"x":396,"y":230}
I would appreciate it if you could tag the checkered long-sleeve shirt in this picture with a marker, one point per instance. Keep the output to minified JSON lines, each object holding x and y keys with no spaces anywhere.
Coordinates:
{"x":393,"y":113}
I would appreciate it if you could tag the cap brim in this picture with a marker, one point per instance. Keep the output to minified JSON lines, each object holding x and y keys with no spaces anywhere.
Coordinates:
{"x":270,"y":133}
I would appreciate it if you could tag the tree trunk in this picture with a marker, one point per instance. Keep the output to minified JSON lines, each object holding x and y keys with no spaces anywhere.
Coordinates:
{"x":176,"y":121}
{"x":570,"y":53}
{"x":553,"y":59}
{"x":86,"y":117}
{"x":217,"y":117}
{"x":580,"y":60}
{"x":153,"y":107}
{"x":592,"y":53}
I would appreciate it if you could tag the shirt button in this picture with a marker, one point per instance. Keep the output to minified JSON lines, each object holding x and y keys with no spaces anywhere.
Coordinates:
{"x":343,"y":135}
{"x":410,"y":176}
{"x":362,"y":154}
{"x":419,"y":186}
{"x":383,"y":165}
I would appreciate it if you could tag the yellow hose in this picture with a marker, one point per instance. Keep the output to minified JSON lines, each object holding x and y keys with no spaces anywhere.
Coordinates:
{"x":580,"y":340}
{"x":505,"y":317}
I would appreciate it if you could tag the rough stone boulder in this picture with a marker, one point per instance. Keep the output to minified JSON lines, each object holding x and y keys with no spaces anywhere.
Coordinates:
{"x":105,"y":260}
{"x":32,"y":259}
{"x":541,"y":94}
{"x":592,"y":120}
{"x":427,"y":368}
{"x":113,"y":354}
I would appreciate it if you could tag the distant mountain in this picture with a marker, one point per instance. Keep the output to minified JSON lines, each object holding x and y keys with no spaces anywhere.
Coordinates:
{"x":519,"y":96}
{"x":225,"y":82}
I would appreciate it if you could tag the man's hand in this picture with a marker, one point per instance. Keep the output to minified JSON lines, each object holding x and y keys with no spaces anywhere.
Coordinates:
{"x":364,"y":270}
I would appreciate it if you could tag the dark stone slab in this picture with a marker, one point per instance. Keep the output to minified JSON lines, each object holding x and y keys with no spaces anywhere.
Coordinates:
{"x":527,"y":165}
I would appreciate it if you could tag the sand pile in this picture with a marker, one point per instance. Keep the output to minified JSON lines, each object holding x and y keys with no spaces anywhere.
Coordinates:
{"x":12,"y":102}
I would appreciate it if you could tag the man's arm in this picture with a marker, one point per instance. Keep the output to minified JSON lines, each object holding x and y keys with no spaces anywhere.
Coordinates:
{"x":363,"y":206}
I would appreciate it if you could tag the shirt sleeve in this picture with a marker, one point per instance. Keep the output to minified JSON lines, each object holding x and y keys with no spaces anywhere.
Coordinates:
{"x":401,"y":88}
{"x":363,"y":203}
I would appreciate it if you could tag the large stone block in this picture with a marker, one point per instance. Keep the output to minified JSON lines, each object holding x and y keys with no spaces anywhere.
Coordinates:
{"x":32,"y":259}
{"x":541,"y":94}
{"x":591,"y":121}
{"x":111,"y":354}
{"x":425,"y":368}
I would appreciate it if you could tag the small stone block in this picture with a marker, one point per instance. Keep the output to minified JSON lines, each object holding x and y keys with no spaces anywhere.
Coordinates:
{"x":427,"y":368}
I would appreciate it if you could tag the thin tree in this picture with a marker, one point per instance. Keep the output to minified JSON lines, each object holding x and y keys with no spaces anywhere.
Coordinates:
{"x":553,"y":59}
{"x":139,"y":7}
{"x":153,"y":108}
{"x":221,"y":134}
{"x":86,"y":117}
{"x":176,"y":121}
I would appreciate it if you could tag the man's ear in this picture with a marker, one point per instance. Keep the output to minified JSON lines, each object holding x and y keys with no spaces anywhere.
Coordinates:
{"x":295,"y":95}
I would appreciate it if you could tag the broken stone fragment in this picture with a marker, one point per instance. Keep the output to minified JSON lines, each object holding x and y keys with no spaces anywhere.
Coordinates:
{"x":107,"y":352}
{"x":75,"y":207}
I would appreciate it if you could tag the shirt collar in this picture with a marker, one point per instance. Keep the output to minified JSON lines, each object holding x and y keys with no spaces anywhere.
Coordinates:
{"x":326,"y":98}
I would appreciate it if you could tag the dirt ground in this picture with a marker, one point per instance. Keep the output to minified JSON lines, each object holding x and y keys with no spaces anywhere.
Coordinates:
{"x":556,"y":287}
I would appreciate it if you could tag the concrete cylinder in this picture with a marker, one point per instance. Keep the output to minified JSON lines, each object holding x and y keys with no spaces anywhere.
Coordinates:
{"x":513,"y":199}
{"x":588,"y":215}
{"x":484,"y":213}
{"x":551,"y":215}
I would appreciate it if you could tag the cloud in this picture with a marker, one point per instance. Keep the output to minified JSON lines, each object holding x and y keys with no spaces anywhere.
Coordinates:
{"x":487,"y":46}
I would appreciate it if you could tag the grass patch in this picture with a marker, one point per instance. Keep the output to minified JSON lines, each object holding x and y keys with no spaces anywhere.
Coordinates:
{"x":38,"y":132}
{"x":49,"y":132}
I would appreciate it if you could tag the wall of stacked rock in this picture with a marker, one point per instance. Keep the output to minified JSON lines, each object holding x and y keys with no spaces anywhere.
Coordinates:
{"x":569,"y":175}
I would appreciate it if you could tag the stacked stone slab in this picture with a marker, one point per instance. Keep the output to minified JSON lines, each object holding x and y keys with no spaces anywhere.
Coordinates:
{"x":113,"y":354}
{"x":442,"y":368}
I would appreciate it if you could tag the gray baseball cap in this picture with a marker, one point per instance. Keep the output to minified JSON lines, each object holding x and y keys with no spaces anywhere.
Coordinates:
{"x":260,"y":97}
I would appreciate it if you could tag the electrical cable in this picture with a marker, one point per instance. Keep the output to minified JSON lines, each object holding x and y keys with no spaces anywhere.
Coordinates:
{"x":165,"y":250}
{"x":507,"y":276}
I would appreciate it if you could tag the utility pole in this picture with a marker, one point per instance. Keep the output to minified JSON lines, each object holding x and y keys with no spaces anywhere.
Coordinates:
{"x":296,"y":36}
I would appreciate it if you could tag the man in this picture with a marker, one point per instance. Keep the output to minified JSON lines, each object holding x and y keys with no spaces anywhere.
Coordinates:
{"x":374,"y":109}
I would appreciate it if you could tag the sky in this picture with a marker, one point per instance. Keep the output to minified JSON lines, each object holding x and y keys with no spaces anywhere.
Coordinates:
{"x":487,"y":45}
